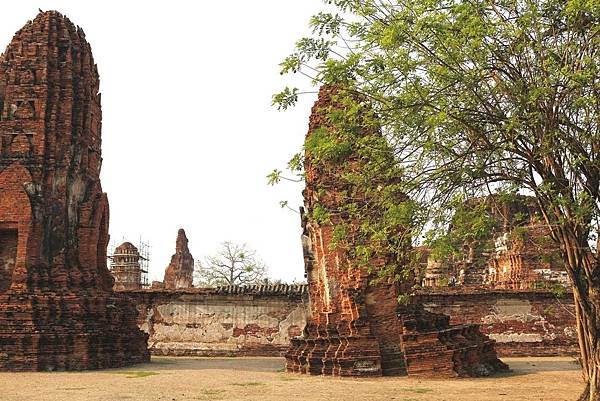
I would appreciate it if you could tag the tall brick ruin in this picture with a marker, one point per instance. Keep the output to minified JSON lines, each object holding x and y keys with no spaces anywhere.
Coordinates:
{"x":57,"y":307}
{"x":180,"y":272}
{"x":355,"y":326}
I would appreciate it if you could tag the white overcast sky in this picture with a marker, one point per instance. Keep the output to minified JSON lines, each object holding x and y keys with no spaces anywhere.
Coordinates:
{"x":189,"y":133}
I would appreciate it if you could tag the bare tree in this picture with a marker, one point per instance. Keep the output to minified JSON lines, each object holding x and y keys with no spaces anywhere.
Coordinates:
{"x":233,"y":264}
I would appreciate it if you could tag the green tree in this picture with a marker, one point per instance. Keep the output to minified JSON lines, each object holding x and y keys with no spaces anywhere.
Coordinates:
{"x":479,"y":97}
{"x":233,"y":264}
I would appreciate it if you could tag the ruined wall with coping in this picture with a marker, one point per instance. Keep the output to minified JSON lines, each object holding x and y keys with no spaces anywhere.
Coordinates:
{"x":523,"y":322}
{"x":205,"y":322}
{"x":229,"y":322}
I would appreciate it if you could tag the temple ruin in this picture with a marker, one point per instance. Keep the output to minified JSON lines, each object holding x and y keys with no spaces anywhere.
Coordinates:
{"x":180,"y":272}
{"x":517,"y":252}
{"x":355,"y":325}
{"x":126,"y":267}
{"x":57,"y":307}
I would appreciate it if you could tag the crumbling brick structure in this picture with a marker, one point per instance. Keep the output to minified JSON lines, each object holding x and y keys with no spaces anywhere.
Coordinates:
{"x":517,"y":253}
{"x":180,"y":272}
{"x":125,"y":267}
{"x":355,"y":326}
{"x":57,"y":308}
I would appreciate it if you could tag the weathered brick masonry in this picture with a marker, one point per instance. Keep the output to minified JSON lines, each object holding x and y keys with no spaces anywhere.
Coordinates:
{"x":261,"y":320}
{"x":355,"y":327}
{"x":57,"y":308}
{"x":523,"y":322}
{"x":517,"y":252}
{"x":226,"y":321}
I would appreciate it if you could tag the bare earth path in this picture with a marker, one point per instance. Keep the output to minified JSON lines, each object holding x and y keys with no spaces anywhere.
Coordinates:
{"x":262,"y":379}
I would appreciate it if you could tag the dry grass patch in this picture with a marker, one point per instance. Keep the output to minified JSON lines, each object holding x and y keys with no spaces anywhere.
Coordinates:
{"x":136,"y":374}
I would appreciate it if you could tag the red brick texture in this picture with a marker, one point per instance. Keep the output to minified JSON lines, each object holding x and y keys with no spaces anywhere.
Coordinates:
{"x":355,"y":327}
{"x":57,"y":308}
{"x":523,"y":322}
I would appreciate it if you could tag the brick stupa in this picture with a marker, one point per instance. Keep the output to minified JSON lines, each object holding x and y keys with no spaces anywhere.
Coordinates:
{"x":180,"y":272}
{"x":57,"y":307}
{"x":355,"y":326}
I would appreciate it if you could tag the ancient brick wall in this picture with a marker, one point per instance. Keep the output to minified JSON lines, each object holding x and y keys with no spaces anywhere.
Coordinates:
{"x":525,"y":323}
{"x":257,"y":321}
{"x":234,"y":321}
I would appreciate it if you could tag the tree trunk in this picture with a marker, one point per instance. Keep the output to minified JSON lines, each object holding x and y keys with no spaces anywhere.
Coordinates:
{"x":587,"y":304}
{"x":590,"y":363}
{"x":584,"y":272}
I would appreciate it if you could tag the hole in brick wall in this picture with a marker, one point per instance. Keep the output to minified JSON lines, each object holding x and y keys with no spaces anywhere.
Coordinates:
{"x":8,"y":256}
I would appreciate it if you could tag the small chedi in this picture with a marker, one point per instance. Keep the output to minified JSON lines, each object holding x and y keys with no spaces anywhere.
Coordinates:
{"x":180,"y":272}
{"x":355,"y":325}
{"x":57,"y":307}
{"x":126,"y":268}
{"x":517,"y":253}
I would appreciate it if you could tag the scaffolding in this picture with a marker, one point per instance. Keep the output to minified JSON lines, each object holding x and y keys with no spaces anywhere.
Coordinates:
{"x":144,"y":250}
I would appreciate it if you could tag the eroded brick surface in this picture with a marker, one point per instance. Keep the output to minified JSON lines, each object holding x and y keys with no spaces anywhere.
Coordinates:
{"x":225,"y":321}
{"x":355,"y":327}
{"x":523,"y":322}
{"x":57,"y":308}
{"x":516,"y":253}
{"x":212,"y":321}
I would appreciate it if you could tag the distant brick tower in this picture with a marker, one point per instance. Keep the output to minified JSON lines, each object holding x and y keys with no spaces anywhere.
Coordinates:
{"x":57,"y":308}
{"x":180,"y":272}
{"x":125,"y":267}
{"x":356,"y":327}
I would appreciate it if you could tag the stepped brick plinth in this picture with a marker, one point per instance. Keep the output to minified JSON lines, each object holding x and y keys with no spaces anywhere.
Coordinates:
{"x":355,"y":325}
{"x":57,"y":307}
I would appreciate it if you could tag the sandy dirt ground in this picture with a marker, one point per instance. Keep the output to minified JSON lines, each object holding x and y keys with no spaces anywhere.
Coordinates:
{"x":263,"y":379}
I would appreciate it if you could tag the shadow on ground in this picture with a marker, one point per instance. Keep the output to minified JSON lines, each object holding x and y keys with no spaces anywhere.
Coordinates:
{"x":518,"y":366}
{"x":524,"y":366}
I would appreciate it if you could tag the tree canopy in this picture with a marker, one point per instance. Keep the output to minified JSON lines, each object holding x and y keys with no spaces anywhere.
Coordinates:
{"x":478,"y":97}
{"x":233,"y":264}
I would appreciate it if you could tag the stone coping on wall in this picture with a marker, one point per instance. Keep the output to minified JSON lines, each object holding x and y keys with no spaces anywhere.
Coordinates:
{"x":289,"y":290}
{"x":480,"y":290}
{"x":301,"y":290}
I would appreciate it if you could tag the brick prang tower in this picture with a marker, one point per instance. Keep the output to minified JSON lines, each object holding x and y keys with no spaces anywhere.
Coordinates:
{"x":355,"y":326}
{"x":57,"y":307}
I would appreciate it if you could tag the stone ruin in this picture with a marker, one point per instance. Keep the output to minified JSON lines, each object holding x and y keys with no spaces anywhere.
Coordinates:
{"x":518,"y":253}
{"x":125,"y":267}
{"x":355,"y":326}
{"x":57,"y":307}
{"x":180,"y":272}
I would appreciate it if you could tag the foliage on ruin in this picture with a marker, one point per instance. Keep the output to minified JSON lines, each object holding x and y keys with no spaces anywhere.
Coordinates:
{"x":476,"y":97}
